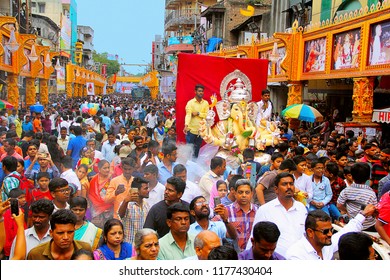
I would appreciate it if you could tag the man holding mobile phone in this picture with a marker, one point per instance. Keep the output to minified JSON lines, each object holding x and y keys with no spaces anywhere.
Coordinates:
{"x":120,"y":185}
{"x":151,"y":156}
{"x":200,"y":210}
{"x":134,"y":208}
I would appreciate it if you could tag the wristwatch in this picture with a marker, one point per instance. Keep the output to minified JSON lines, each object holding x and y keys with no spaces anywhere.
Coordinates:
{"x":361,"y":212}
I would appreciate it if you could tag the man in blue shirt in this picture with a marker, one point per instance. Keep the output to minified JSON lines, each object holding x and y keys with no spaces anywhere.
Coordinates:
{"x":76,"y":144}
{"x":106,"y":121}
{"x":108,"y":147}
{"x":322,"y":191}
{"x":264,"y":240}
{"x":27,"y":125}
{"x":200,"y":210}
{"x":142,"y":113}
{"x":165,"y":167}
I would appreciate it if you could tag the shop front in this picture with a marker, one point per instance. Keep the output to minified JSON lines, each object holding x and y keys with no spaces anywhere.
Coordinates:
{"x":335,"y":64}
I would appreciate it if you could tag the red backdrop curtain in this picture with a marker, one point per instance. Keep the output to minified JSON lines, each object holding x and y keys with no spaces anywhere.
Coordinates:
{"x":210,"y":71}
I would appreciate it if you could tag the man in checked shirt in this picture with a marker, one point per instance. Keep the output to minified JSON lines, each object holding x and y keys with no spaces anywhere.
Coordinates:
{"x":240,"y":213}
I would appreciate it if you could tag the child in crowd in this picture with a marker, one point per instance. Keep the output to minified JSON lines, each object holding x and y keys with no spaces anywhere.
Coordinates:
{"x":222,"y":188}
{"x":87,"y":158}
{"x":43,"y":179}
{"x":342,"y":161}
{"x":276,"y":160}
{"x":337,"y":184}
{"x":302,"y":181}
{"x":348,"y":176}
{"x":322,"y":191}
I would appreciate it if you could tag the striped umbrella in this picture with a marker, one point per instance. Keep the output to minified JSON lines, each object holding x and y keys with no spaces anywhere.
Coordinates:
{"x":5,"y":105}
{"x":302,"y":112}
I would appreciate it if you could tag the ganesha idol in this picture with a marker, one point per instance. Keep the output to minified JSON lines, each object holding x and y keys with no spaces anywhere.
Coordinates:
{"x":236,"y":128}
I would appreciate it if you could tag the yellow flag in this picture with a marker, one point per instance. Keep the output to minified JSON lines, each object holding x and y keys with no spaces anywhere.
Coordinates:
{"x":250,"y":11}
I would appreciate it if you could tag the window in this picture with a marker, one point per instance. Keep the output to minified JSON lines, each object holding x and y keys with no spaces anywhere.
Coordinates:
{"x":33,"y":4}
{"x":41,"y":7}
{"x":218,"y":25}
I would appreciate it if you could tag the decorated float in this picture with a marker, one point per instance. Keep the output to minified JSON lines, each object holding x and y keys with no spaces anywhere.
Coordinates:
{"x":231,"y":122}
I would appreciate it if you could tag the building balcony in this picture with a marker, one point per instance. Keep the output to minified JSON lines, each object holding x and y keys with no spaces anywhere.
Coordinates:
{"x":171,"y":4}
{"x":88,"y":46}
{"x":179,"y":44}
{"x":181,"y":17}
{"x":85,"y":30}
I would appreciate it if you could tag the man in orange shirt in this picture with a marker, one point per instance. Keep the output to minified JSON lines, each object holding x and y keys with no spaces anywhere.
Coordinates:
{"x":37,"y":124}
{"x":120,"y":186}
{"x":9,"y":149}
{"x":7,"y":135}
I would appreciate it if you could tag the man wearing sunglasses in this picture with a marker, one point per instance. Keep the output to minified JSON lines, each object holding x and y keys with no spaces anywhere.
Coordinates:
{"x":319,"y":242}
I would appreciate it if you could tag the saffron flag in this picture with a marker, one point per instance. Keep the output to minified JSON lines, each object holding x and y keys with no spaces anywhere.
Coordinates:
{"x":209,"y":71}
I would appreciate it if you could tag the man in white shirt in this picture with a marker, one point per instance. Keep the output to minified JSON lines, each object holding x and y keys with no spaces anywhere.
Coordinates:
{"x":63,"y":140}
{"x":319,"y":242}
{"x":192,"y":190}
{"x":108,"y":147}
{"x":288,"y":214}
{"x":64,"y":123}
{"x":91,"y":143}
{"x":68,"y":174}
{"x":136,"y":113}
{"x":265,"y":107}
{"x":208,"y":180}
{"x":151,"y":122}
{"x":156,"y":189}
{"x":39,"y":233}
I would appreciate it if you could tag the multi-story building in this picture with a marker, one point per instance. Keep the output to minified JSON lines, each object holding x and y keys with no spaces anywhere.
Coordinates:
{"x":230,"y":21}
{"x":190,"y":25}
{"x":49,"y":8}
{"x":182,"y":33}
{"x":226,"y":21}
{"x":46,"y":30}
{"x":85,"y":35}
{"x":334,"y":57}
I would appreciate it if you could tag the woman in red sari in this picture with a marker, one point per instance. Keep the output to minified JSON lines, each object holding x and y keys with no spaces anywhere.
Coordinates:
{"x":100,"y":210}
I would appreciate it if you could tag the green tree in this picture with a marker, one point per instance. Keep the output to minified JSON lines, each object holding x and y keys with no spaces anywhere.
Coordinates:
{"x":113,"y":66}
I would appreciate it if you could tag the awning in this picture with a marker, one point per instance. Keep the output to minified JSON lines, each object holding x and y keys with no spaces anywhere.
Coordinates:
{"x":381,"y":115}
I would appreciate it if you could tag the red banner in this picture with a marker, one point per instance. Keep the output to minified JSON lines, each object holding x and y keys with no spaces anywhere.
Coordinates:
{"x":104,"y":70}
{"x":210,"y":71}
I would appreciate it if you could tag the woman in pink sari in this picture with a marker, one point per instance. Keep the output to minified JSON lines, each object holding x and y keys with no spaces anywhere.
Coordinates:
{"x":100,"y":210}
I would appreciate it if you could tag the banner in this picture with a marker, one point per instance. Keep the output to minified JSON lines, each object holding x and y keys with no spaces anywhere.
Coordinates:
{"x":124,"y":87}
{"x":90,"y":88}
{"x":209,"y":71}
{"x":61,"y":80}
{"x":112,"y":56}
{"x":104,"y":70}
{"x":381,"y":115}
{"x":66,"y":33}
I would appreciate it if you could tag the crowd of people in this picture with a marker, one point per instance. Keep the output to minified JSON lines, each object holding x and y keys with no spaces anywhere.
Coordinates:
{"x":109,"y":186}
